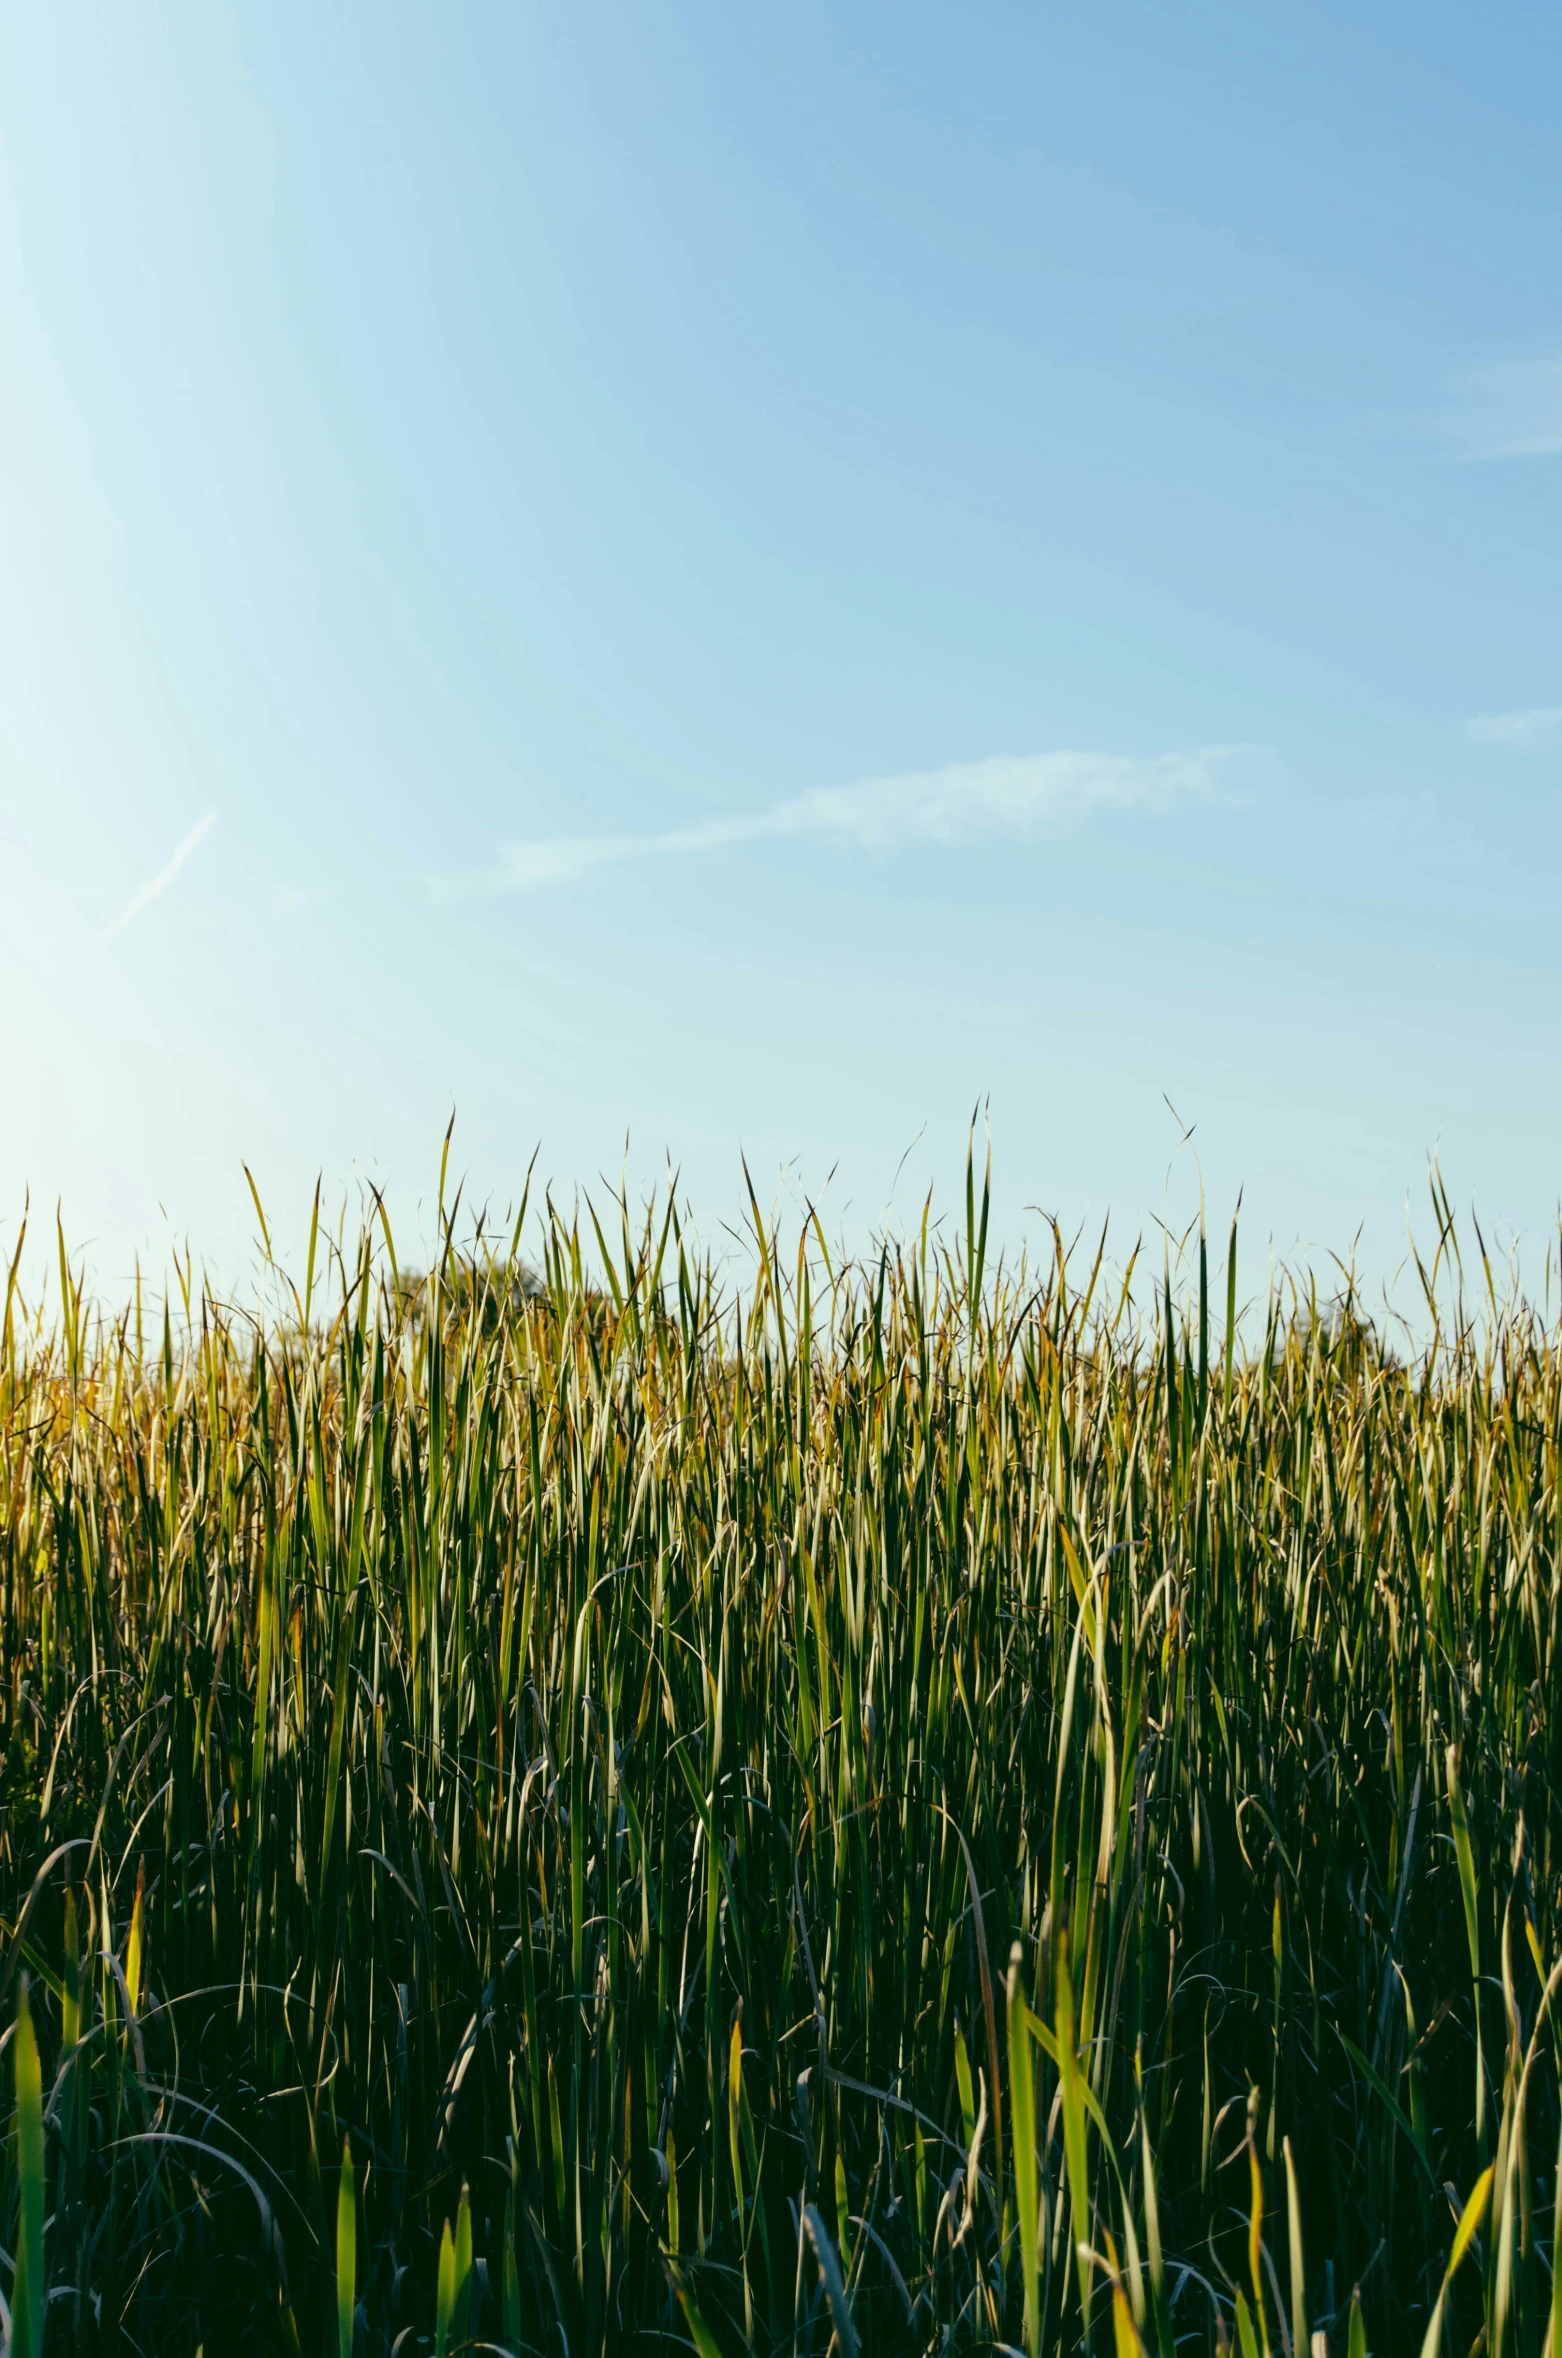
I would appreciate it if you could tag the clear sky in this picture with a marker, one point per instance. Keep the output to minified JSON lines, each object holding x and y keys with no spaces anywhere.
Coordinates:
{"x":744,"y":578}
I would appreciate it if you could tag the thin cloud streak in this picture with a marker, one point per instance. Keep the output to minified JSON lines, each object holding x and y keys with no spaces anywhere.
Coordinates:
{"x":159,"y":883}
{"x":1512,"y":410}
{"x":930,"y":806}
{"x":1518,"y":731}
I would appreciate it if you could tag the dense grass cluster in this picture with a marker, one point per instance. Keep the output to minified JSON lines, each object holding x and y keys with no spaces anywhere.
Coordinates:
{"x":909,"y":1807}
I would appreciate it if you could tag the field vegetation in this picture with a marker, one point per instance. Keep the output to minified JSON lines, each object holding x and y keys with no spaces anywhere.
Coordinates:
{"x":910,"y":1806}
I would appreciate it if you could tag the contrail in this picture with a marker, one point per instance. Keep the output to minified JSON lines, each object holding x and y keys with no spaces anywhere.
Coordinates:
{"x":164,"y":877}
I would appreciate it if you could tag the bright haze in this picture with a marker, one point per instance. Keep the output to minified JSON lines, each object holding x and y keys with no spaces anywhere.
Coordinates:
{"x":693,"y":582}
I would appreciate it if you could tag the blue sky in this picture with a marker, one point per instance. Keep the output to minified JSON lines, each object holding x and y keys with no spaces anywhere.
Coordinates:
{"x":741,"y":581}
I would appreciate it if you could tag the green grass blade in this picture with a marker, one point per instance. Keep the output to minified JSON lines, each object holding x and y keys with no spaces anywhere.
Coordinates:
{"x":346,"y":2254}
{"x":1022,"y":2130}
{"x":29,"y":2292}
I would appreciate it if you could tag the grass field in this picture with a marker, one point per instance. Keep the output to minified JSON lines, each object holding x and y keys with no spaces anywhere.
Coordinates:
{"x":919,"y":1806}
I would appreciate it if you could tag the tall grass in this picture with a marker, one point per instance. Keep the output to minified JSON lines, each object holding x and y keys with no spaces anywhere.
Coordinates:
{"x":905,"y":1807}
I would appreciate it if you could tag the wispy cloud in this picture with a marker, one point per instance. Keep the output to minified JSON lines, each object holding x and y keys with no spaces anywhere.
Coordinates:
{"x":1511,"y":409}
{"x":159,"y":883}
{"x":1517,"y":730}
{"x":926,"y":806}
